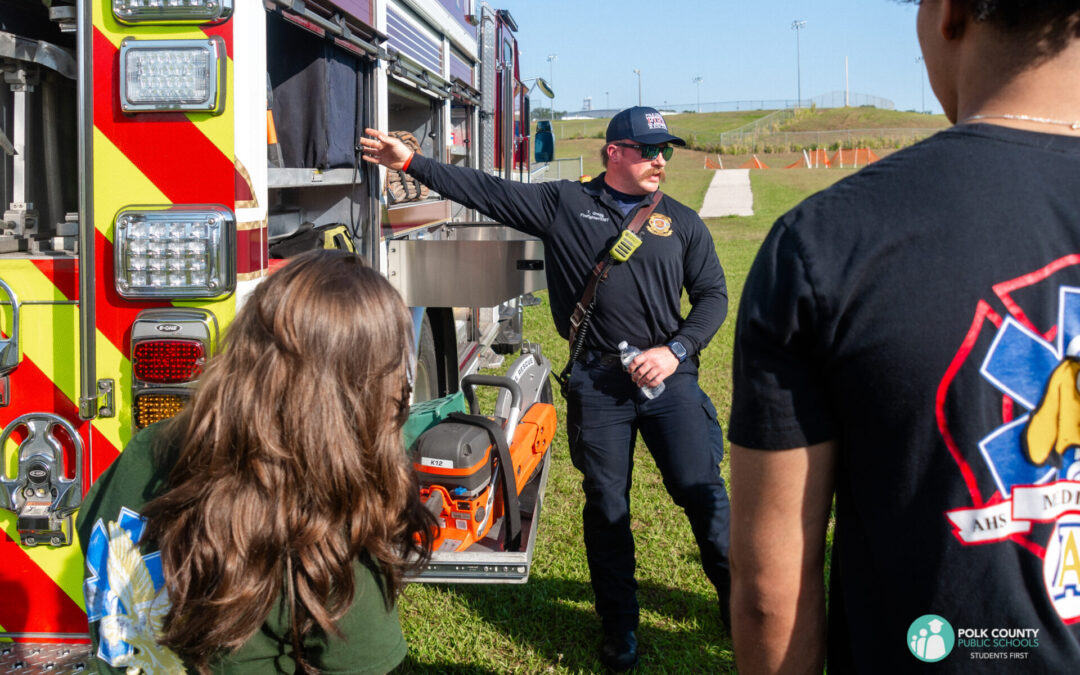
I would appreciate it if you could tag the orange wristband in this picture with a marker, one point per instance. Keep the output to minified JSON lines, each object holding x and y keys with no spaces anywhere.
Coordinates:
{"x":405,"y":166}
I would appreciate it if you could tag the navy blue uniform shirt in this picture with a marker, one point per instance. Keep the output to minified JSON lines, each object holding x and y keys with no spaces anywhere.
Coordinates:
{"x":640,"y":300}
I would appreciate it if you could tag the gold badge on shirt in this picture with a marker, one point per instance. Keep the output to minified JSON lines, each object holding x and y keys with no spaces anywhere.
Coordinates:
{"x":660,"y":225}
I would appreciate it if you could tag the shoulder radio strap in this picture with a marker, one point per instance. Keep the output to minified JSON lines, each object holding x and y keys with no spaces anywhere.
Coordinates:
{"x":579,"y":320}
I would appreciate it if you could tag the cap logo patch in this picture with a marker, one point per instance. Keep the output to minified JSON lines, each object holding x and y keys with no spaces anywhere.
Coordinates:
{"x":660,"y":225}
{"x":655,"y":121}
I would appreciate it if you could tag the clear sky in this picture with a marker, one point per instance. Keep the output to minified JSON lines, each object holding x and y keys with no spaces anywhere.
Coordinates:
{"x":743,"y":50}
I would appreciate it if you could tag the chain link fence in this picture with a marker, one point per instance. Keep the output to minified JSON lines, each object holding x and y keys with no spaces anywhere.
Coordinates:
{"x":761,"y":127}
{"x":567,"y":168}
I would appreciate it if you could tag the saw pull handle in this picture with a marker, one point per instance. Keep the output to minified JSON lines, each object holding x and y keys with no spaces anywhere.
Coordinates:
{"x":468,"y":384}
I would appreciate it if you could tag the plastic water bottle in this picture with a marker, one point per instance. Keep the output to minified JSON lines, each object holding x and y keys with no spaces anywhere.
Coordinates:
{"x":628,"y":353}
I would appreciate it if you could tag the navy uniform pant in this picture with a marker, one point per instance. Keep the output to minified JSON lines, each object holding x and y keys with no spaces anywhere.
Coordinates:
{"x":605,"y":412}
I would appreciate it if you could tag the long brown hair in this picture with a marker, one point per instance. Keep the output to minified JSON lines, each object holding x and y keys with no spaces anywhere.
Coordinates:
{"x":291,"y":465}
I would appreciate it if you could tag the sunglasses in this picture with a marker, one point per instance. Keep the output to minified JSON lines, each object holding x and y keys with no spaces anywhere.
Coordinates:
{"x":650,"y":151}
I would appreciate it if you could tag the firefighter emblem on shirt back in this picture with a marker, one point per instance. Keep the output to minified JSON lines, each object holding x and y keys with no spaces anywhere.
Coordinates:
{"x":1032,"y":452}
{"x":659,"y":224}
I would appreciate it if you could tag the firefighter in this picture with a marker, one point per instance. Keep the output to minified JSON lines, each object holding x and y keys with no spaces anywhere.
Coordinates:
{"x":639,"y":302}
{"x":895,"y":337}
{"x":268,"y":526}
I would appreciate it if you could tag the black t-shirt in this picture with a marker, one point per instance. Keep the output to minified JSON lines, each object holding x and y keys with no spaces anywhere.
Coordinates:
{"x":918,"y":313}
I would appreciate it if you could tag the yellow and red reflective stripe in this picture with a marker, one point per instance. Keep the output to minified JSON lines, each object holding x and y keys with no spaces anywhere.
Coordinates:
{"x":62,"y":273}
{"x":43,"y":606}
{"x":145,"y":159}
{"x":43,"y":380}
{"x":174,"y":153}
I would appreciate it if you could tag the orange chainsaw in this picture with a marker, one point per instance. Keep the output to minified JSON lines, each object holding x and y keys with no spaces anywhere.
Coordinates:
{"x":472,"y":468}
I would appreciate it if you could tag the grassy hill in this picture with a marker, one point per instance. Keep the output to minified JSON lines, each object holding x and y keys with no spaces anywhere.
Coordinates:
{"x":782,"y":131}
{"x":833,"y":119}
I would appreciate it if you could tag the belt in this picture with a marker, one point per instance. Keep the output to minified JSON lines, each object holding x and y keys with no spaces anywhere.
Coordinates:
{"x":596,"y":357}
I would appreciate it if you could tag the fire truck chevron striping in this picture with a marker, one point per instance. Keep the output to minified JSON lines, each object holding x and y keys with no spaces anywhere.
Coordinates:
{"x":143,"y":201}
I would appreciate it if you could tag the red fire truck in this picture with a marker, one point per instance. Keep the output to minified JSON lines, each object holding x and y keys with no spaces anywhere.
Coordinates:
{"x":155,"y":157}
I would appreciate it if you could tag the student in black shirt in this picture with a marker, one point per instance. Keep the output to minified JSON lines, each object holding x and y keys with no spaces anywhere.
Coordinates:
{"x":906,"y":342}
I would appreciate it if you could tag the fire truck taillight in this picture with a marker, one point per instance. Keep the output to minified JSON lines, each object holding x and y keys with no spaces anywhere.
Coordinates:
{"x":154,"y":407}
{"x":172,"y":75}
{"x":175,"y":252}
{"x":167,"y":361}
{"x":169,"y":347}
{"x":172,"y":11}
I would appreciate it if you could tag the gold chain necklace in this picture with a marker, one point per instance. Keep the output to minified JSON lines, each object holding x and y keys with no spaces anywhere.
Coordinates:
{"x":1025,"y":118}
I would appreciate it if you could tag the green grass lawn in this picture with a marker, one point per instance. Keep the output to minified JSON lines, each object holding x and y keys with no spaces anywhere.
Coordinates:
{"x":548,"y":625}
{"x":806,"y":119}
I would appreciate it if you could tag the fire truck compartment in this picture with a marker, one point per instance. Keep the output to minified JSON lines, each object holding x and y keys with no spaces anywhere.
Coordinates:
{"x":488,"y":264}
{"x":413,"y":110}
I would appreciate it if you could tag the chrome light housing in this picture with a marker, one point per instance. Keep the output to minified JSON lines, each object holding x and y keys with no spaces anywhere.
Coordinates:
{"x":172,"y":11}
{"x":172,"y":75}
{"x":169,"y":347}
{"x":180,"y":251}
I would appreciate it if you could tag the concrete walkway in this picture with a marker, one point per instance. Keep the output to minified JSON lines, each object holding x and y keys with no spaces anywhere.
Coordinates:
{"x":728,"y":195}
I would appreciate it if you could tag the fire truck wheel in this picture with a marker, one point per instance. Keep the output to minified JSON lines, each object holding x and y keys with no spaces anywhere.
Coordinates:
{"x":426,"y":380}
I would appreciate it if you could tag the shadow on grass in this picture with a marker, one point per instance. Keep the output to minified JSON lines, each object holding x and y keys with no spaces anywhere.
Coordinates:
{"x":553,"y":619}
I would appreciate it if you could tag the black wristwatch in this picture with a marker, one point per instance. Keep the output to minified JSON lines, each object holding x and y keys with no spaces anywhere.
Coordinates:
{"x":677,"y":349}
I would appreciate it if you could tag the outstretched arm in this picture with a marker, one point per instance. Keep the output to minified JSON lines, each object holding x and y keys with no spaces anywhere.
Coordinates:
{"x":780,"y":505}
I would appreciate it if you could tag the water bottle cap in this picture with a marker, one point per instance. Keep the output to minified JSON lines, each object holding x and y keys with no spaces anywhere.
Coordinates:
{"x":622,"y":345}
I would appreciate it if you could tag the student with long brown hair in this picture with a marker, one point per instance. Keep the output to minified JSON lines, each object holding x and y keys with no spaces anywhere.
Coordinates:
{"x":268,"y":526}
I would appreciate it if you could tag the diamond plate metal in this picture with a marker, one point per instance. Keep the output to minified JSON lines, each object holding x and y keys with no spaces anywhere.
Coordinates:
{"x":488,"y":65}
{"x":25,"y":658}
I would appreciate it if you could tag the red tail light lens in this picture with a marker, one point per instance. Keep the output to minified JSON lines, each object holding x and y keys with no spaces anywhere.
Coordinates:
{"x":168,"y":361}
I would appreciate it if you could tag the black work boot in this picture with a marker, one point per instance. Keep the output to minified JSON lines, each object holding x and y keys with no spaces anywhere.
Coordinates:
{"x":724,"y":600}
{"x":723,"y":596}
{"x":725,"y":617}
{"x":618,"y":651}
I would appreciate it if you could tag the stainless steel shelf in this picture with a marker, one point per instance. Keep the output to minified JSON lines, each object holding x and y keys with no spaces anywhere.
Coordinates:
{"x":297,"y":178}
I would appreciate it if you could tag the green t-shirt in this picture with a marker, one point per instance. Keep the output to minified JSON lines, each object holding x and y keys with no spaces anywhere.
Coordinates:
{"x":126,"y":603}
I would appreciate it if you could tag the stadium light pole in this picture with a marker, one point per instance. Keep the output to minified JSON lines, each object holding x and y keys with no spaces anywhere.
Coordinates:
{"x":922,"y":86}
{"x":797,"y":25}
{"x":637,"y":71}
{"x":697,"y":80}
{"x":551,"y":80}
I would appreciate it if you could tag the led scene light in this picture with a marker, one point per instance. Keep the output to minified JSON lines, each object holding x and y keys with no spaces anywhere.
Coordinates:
{"x":178,"y":252}
{"x":172,"y":75}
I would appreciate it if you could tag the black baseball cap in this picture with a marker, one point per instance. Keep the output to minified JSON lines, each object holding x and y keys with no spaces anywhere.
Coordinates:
{"x":644,"y":125}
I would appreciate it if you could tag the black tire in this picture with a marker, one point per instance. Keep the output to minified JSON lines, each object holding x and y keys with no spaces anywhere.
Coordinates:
{"x":426,"y":379}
